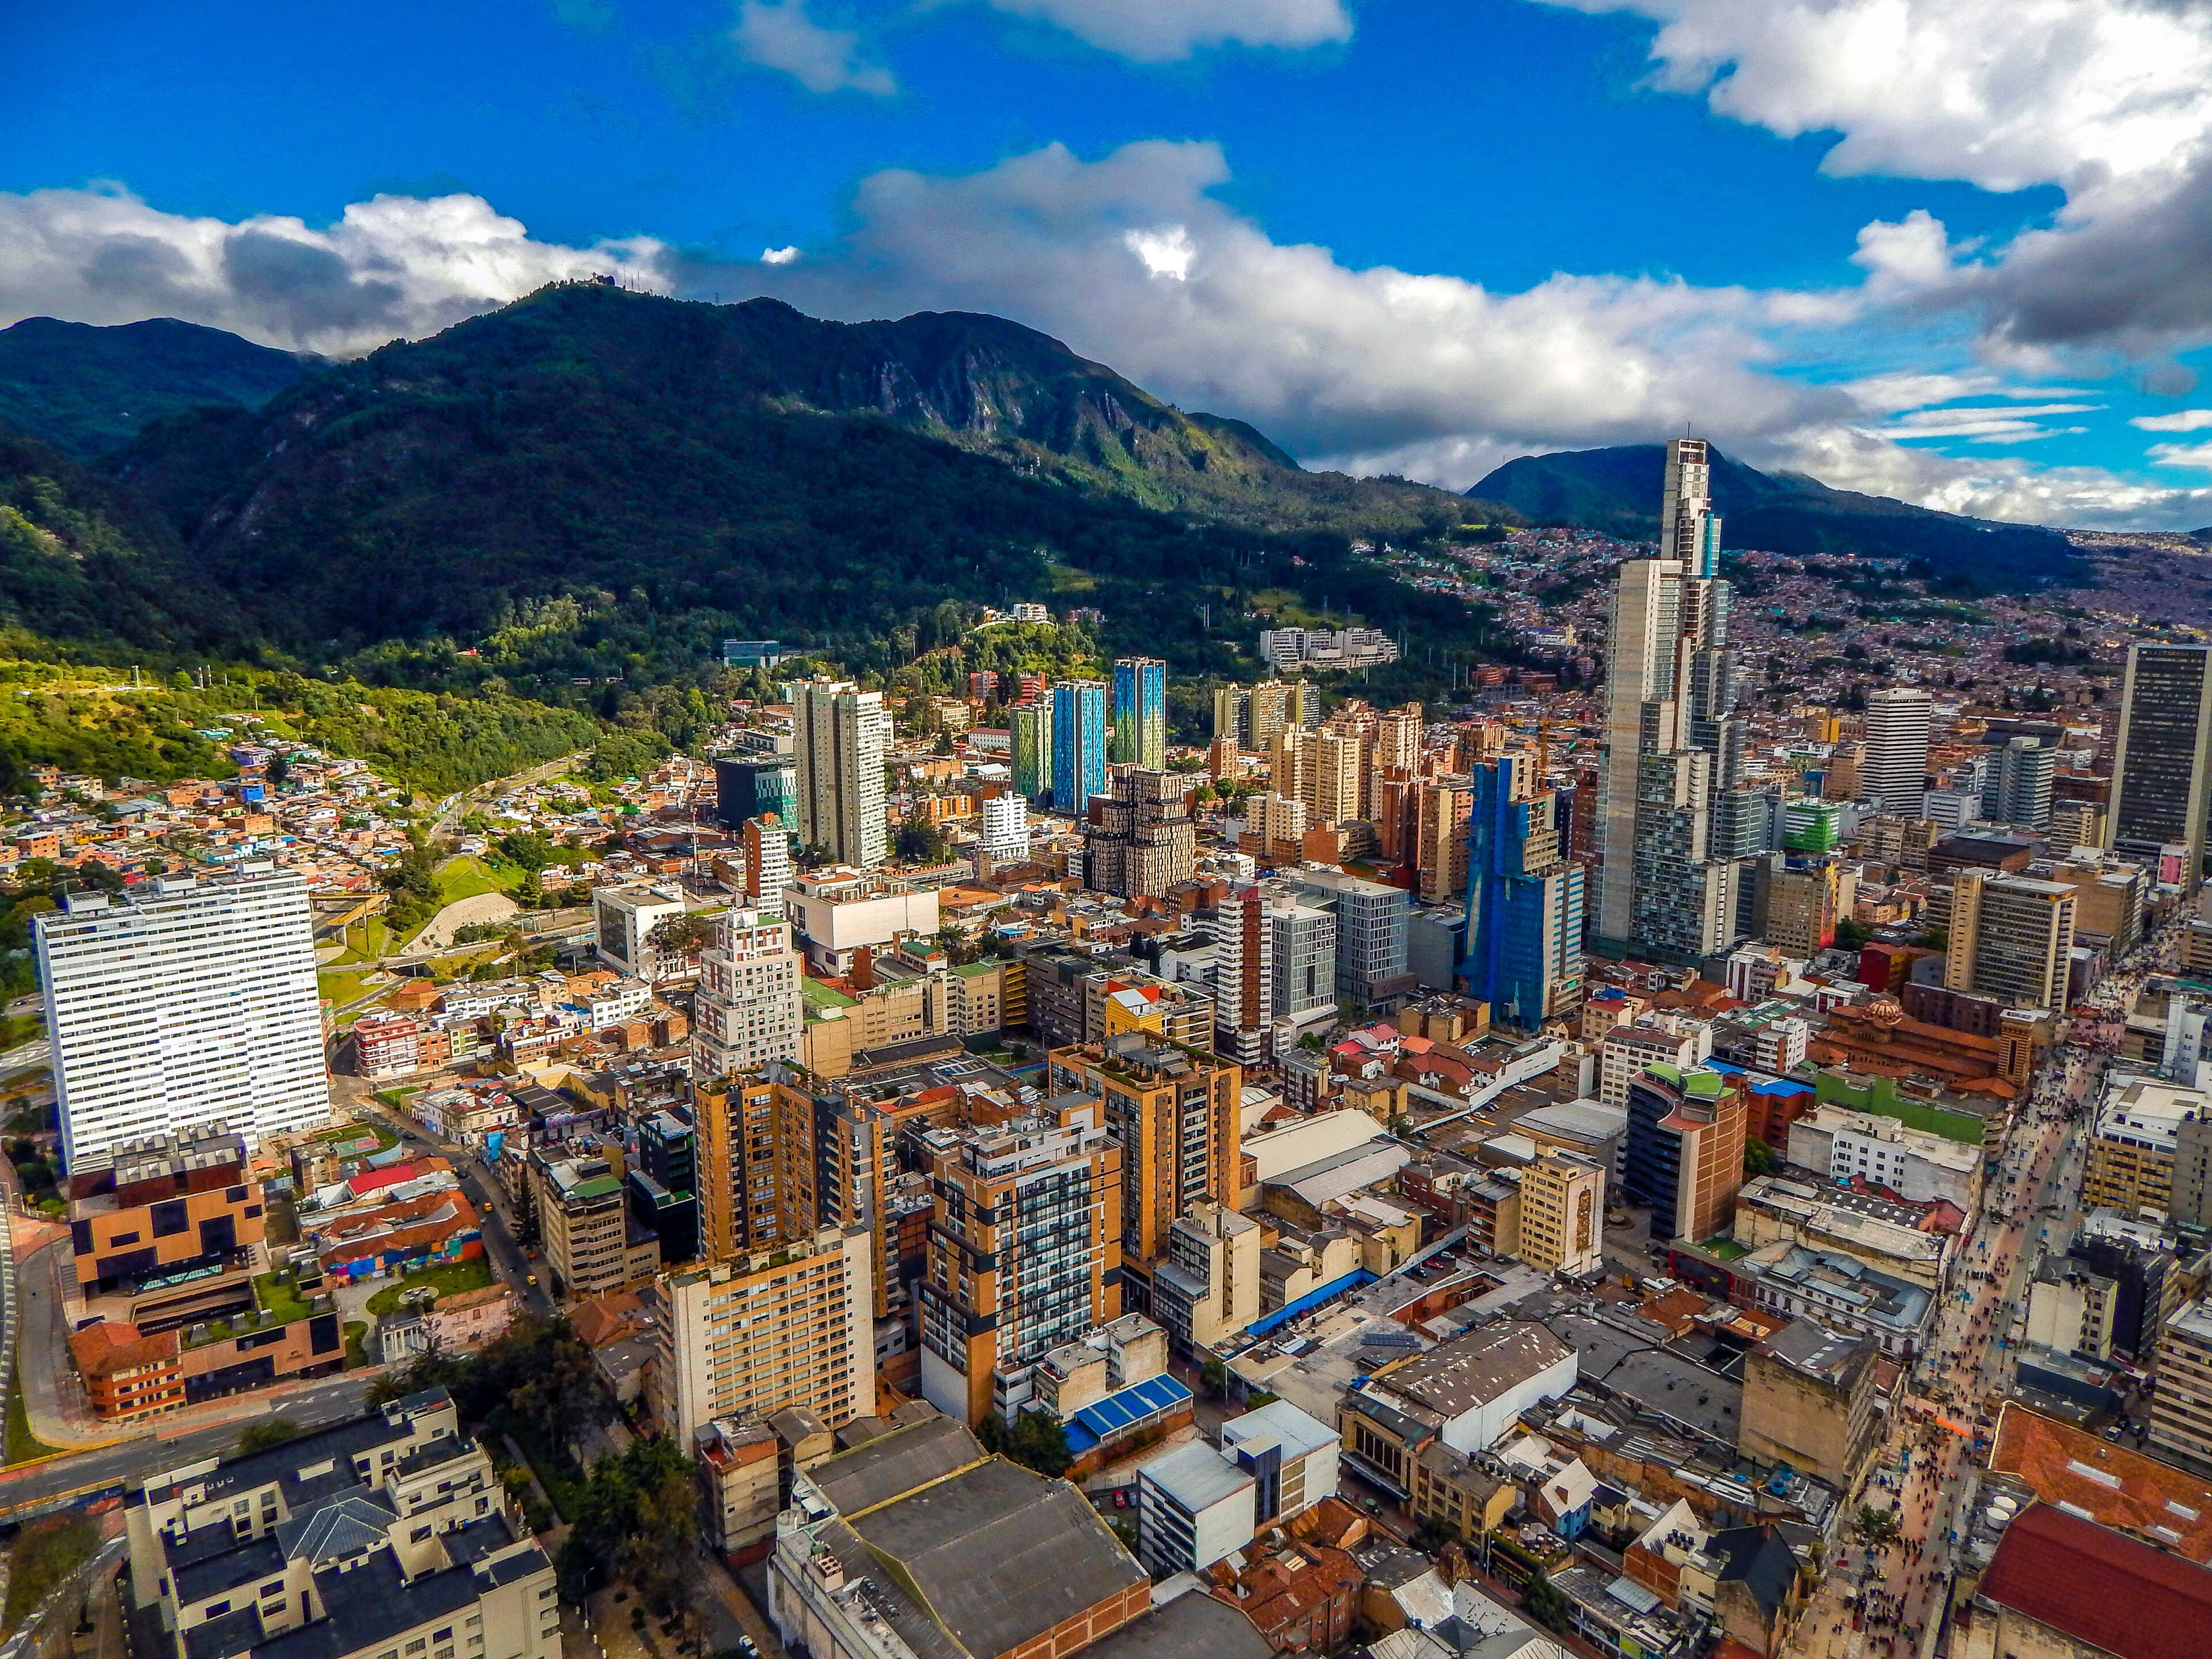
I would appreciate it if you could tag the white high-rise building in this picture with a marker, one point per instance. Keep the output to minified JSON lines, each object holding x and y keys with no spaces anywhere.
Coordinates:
{"x":839,"y":737}
{"x":1672,"y":746}
{"x":1894,"y":772}
{"x":747,"y":1009}
{"x":184,"y":1003}
{"x":1005,"y":833}
{"x":767,"y":850}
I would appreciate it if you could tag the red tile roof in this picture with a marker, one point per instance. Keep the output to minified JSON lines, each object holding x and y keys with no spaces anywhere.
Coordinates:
{"x":2100,"y":1587}
{"x":2119,"y":1488}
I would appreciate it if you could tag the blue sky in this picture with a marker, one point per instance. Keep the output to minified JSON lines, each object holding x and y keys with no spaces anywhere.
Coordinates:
{"x":1613,"y":241}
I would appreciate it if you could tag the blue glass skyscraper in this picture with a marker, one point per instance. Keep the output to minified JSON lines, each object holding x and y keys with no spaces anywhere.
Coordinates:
{"x":1078,"y":744}
{"x":1140,"y":712}
{"x":1524,"y":897}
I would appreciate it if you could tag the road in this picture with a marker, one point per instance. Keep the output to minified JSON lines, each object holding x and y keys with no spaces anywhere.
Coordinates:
{"x":458,"y":806}
{"x":88,"y":1474}
{"x":1923,"y":1476}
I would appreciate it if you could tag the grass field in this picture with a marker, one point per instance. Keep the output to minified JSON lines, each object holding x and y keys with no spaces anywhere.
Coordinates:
{"x":341,"y":987}
{"x":448,"y":1279}
{"x":468,"y":876}
{"x":23,"y":1446}
{"x":366,"y":940}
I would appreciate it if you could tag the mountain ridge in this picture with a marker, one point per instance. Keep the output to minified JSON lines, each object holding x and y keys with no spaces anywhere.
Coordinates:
{"x":1618,"y":489}
{"x":86,"y":389}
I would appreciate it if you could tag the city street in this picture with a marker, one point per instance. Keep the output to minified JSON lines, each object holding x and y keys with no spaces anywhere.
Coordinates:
{"x":1925,"y":1472}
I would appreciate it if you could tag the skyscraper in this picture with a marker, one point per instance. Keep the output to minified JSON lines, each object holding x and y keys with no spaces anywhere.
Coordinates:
{"x":1140,"y":712}
{"x":746,"y":1012}
{"x":1024,"y":1253}
{"x":1078,"y":744}
{"x":1144,"y":841}
{"x":2011,"y":938}
{"x":1029,"y":728}
{"x":1672,"y":741}
{"x":839,"y":734}
{"x":181,"y":1005}
{"x":1524,"y":897}
{"x":1895,"y":774}
{"x":1689,"y":529}
{"x":2016,"y":789}
{"x":745,"y":788}
{"x":2162,"y":764}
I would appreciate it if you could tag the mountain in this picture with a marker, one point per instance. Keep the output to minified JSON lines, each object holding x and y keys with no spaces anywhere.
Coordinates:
{"x":86,"y":390}
{"x":87,"y":566}
{"x":1617,"y":491}
{"x":590,"y":481}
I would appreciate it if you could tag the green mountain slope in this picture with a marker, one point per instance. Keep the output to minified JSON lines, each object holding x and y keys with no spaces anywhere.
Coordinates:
{"x":86,"y":390}
{"x":88,"y":566}
{"x":591,"y":480}
{"x":1617,"y":491}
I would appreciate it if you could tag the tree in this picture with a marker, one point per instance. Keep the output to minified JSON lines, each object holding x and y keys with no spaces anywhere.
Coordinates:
{"x":1852,"y":935}
{"x":1759,"y":1158}
{"x":635,"y":1527}
{"x":1544,"y":1602}
{"x":527,"y":849}
{"x":683,"y":935}
{"x":260,"y":1436}
{"x":920,"y":841}
{"x":1036,"y":1441}
{"x":1876,"y":1526}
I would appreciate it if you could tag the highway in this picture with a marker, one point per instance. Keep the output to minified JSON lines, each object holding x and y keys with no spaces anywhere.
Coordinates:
{"x":1923,"y":1474}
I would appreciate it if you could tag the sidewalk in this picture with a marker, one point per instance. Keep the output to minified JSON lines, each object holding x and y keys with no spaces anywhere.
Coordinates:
{"x":54,"y":1400}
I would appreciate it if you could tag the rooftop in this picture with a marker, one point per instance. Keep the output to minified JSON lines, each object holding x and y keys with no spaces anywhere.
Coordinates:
{"x":2101,"y":1588}
{"x":1473,"y":1369}
{"x":2113,"y":1485}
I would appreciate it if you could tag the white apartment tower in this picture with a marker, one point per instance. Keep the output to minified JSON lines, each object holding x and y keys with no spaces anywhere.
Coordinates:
{"x":839,"y":737}
{"x":1005,"y":832}
{"x":1673,"y":744}
{"x":746,"y":1012}
{"x":767,"y":848}
{"x":184,"y":1003}
{"x":1894,"y":772}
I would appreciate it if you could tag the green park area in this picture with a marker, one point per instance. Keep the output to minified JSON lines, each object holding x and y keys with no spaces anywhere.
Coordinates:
{"x":446,"y":1277}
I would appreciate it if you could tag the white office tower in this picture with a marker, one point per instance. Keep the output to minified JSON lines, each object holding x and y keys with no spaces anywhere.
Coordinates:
{"x":746,"y":1012}
{"x":1895,"y":774}
{"x":183,"y":1003}
{"x":1005,"y":833}
{"x":1673,"y":741}
{"x":839,"y":737}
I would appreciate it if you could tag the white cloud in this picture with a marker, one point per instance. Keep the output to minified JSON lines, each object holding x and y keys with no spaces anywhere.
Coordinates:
{"x":1165,"y":252}
{"x":1162,"y":31}
{"x":2003,"y":94}
{"x":396,"y":266}
{"x":2198,"y":455}
{"x":1133,"y":261}
{"x":2186,"y":420}
{"x":780,"y":256}
{"x":782,"y":35}
{"x":2109,"y":100}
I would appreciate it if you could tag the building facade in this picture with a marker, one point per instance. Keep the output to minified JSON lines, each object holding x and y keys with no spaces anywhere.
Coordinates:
{"x":787,"y":1327}
{"x":1080,"y":735}
{"x":839,"y":736}
{"x":1140,"y":712}
{"x":189,"y":1005}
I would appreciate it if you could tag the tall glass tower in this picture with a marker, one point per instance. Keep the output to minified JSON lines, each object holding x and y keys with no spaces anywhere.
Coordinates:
{"x":1078,"y":744}
{"x":1673,"y":744}
{"x":1140,"y":712}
